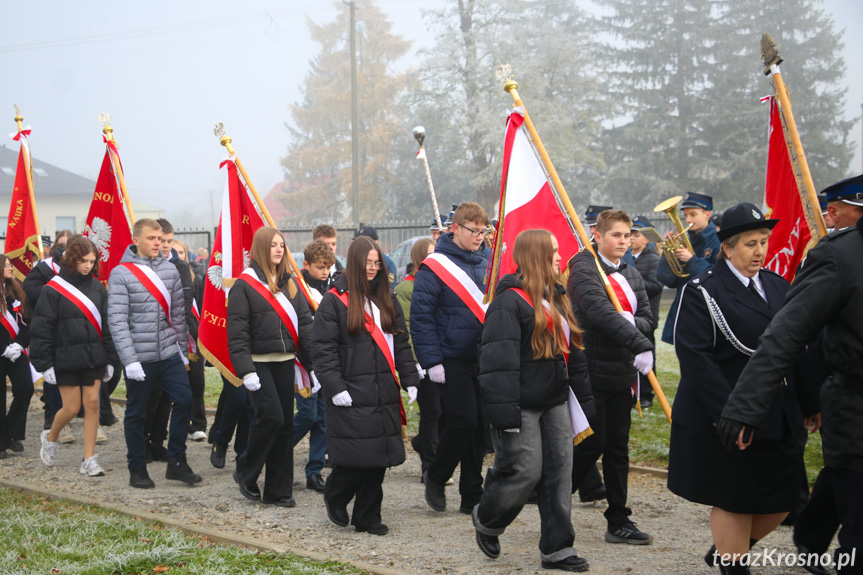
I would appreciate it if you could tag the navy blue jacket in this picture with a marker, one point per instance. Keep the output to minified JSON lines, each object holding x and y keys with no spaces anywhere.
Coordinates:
{"x":442,"y":326}
{"x":706,"y":246}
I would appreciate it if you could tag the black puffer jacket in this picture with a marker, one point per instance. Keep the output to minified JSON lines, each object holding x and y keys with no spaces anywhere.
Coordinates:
{"x":368,"y":433}
{"x":254,"y":327}
{"x":646,"y":264}
{"x":62,"y":337}
{"x":41,"y":274}
{"x":509,"y":376}
{"x":610,"y":341}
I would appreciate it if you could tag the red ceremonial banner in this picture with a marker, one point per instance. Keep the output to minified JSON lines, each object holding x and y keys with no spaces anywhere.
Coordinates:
{"x":22,"y":238}
{"x":107,"y":225}
{"x":238,"y":223}
{"x":782,"y":200}
{"x":526,"y":199}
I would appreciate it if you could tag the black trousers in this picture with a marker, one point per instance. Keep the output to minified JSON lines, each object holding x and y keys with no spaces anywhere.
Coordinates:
{"x":197,"y":382}
{"x":272,"y":431}
{"x":14,"y":422}
{"x":611,"y":441}
{"x":344,"y":483}
{"x":461,"y":439}
{"x":817,"y":523}
{"x":426,"y":440}
{"x":234,"y":413}
{"x":158,"y":415}
{"x":849,"y":506}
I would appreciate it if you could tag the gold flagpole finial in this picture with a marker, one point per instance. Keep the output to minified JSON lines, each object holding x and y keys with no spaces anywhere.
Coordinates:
{"x":18,"y":119}
{"x":504,"y":76}
{"x":769,"y":53}
{"x":224,"y":139}
{"x":105,"y":122}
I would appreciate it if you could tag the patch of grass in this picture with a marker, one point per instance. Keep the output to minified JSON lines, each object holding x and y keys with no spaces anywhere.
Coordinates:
{"x":44,"y":536}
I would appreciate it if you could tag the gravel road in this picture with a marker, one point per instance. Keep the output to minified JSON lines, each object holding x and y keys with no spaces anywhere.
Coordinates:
{"x":420,"y":540}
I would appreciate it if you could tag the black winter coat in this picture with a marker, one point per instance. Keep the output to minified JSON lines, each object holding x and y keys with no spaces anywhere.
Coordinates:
{"x":185,"y":271}
{"x":710,"y":365}
{"x":23,"y":338}
{"x":610,"y":341}
{"x":254,"y":327}
{"x":646,"y":264}
{"x":827,"y":293}
{"x":41,"y":274}
{"x":368,"y":433}
{"x":62,"y":337}
{"x":509,"y":377}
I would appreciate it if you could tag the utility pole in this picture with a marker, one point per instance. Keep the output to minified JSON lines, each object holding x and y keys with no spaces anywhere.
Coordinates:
{"x":355,"y":150}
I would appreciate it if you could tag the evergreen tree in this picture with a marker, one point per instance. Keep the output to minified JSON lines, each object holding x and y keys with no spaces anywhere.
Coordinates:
{"x":318,"y":163}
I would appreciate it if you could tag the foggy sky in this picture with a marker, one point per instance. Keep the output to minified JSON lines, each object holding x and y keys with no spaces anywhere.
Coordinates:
{"x":168,"y":71}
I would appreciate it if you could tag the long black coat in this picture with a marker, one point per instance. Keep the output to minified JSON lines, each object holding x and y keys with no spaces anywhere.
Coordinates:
{"x":827,"y":293}
{"x":710,"y":365}
{"x":62,"y":337}
{"x":368,"y":433}
{"x":254,"y":327}
{"x":610,"y":341}
{"x":509,"y":376}
{"x":646,"y":264}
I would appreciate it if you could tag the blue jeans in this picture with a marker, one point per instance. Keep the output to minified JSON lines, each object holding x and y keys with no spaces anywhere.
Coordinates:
{"x":171,"y":375}
{"x":310,"y":419}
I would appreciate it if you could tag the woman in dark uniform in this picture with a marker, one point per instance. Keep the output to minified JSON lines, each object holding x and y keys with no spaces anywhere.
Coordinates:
{"x":722,"y":314}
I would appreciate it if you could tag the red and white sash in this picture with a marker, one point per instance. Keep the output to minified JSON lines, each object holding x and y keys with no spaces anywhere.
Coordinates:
{"x":287,"y":314}
{"x":50,"y":263}
{"x":629,"y":302}
{"x":157,"y":288}
{"x":580,"y":426}
{"x":10,"y":323}
{"x":81,"y":301}
{"x":459,"y":282}
{"x":195,"y":311}
{"x":383,"y":340}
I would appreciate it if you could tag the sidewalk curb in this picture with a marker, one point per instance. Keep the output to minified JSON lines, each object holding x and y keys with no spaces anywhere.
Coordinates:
{"x":215,"y":536}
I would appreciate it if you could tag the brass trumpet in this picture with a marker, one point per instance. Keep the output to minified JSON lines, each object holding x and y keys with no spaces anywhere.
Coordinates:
{"x":678,"y":240}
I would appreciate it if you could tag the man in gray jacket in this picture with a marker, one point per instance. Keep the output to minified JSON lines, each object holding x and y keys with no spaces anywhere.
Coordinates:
{"x":146,"y":316}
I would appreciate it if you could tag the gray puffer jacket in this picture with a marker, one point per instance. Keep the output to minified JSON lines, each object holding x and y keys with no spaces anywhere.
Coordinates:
{"x":138,"y":325}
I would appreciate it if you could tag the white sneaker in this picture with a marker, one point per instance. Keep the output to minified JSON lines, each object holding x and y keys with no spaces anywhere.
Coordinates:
{"x":66,"y":436}
{"x":100,"y":435}
{"x":91,"y":467}
{"x":48,"y":452}
{"x":198,"y":436}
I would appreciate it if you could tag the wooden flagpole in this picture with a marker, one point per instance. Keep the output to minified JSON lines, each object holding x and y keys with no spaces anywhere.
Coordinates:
{"x":805,"y":185}
{"x":225,"y":140}
{"x":19,"y":120}
{"x":511,"y":86}
{"x":105,"y":121}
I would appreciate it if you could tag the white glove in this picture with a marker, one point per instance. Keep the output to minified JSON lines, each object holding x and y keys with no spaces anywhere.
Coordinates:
{"x":437,"y":374}
{"x":421,"y":371}
{"x":185,"y":359}
{"x":13,"y":352}
{"x":412,"y":394}
{"x":629,"y":317}
{"x":514,"y":430}
{"x":252,"y":381}
{"x":135,"y":371}
{"x":50,"y":376}
{"x":643,"y":362}
{"x":343,"y":399}
{"x":109,"y":372}
{"x":316,"y":385}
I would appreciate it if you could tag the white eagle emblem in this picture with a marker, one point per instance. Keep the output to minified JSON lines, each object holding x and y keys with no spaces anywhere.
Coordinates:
{"x":756,"y":215}
{"x":214,"y":272}
{"x":99,"y":233}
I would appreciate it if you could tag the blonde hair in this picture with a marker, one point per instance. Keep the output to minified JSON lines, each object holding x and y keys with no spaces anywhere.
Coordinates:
{"x":261,"y":254}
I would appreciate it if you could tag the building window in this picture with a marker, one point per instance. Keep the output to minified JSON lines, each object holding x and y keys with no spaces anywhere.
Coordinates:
{"x":8,"y":171}
{"x":40,"y":172}
{"x":4,"y":223}
{"x":65,"y":223}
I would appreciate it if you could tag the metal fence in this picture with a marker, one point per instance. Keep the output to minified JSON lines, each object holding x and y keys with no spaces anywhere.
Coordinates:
{"x":390,"y":234}
{"x":197,"y":238}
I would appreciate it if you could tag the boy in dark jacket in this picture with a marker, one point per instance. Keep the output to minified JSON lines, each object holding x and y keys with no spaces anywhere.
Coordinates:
{"x":617,"y":350}
{"x":446,"y":329}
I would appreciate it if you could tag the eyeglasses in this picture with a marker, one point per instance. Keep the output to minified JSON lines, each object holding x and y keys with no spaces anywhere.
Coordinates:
{"x":374,"y":265}
{"x":476,"y":233}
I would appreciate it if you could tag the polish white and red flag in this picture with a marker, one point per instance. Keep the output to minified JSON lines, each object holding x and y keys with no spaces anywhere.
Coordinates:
{"x":231,"y":255}
{"x":527,"y":199}
{"x":789,"y":238}
{"x":107,"y":225}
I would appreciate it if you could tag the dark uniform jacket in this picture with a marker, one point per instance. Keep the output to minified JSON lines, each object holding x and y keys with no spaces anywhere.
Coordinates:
{"x":185,"y":270}
{"x":610,"y":341}
{"x":442,"y":326}
{"x":369,"y":432}
{"x":827,"y":293}
{"x":23,"y":338}
{"x":646,"y":264}
{"x":706,"y":246}
{"x":254,"y":327}
{"x":41,"y":274}
{"x":509,"y":377}
{"x":62,"y":337}
{"x":710,"y":364}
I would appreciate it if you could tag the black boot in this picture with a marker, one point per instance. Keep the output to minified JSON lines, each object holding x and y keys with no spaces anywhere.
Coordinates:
{"x":140,"y":479}
{"x":434,"y":493}
{"x":217,"y":455}
{"x":178,"y":469}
